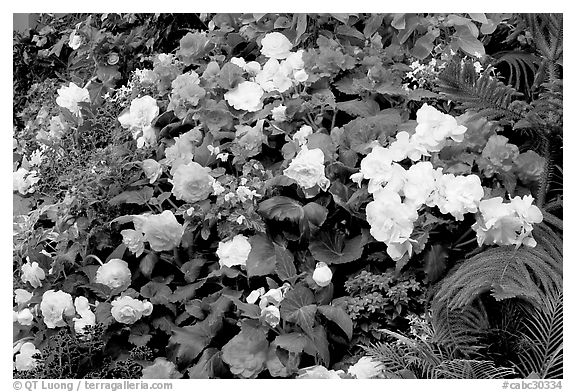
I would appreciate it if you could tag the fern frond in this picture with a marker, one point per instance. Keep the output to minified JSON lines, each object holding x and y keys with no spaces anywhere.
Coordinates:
{"x":472,"y":369}
{"x":485,"y":94}
{"x":541,"y":347}
{"x":521,"y":65}
{"x":393,"y":357}
{"x":529,"y":273}
{"x":460,"y":331}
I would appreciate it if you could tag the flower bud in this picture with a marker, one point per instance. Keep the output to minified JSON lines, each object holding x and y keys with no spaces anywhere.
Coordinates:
{"x":322,"y":274}
{"x":147,"y":264}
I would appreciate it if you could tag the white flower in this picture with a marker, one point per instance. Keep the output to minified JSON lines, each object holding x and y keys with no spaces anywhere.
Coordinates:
{"x":152,"y":169}
{"x":377,"y":167}
{"x":245,"y":96}
{"x":254,"y":295}
{"x":457,"y":195}
{"x":391,"y":221}
{"x":192,"y":182}
{"x":318,"y":372}
{"x":244,"y":193}
{"x":114,"y":274}
{"x":405,"y":147}
{"x":36,"y":158}
{"x":234,"y":252}
{"x":161,"y":369}
{"x":397,"y":250}
{"x":25,"y":317}
{"x":271,"y":315}
{"x":322,"y":275}
{"x":357,"y":178}
{"x":181,"y":152}
{"x":272,"y":297}
{"x":186,"y":93}
{"x":33,"y":274}
{"x":134,"y":241}
{"x":217,"y":188}
{"x":252,"y":67}
{"x":23,"y":181}
{"x":127,"y":310}
{"x":54,"y":306}
{"x":507,"y":223}
{"x":239,"y":61}
{"x":23,"y":360}
{"x":420,"y":183}
{"x":275,"y":45}
{"x":69,"y":97}
{"x":75,"y":40}
{"x":162,"y":231}
{"x":22,"y":297}
{"x":139,"y":119}
{"x":366,"y":367}
{"x":279,"y":113}
{"x":274,"y":77}
{"x":301,"y":136}
{"x":87,"y":317}
{"x":434,"y":127}
{"x":307,"y":169}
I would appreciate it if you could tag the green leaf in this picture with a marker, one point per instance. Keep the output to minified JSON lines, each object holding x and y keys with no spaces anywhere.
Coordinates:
{"x":262,"y":257}
{"x":118,"y":253}
{"x":246,"y":352}
{"x":323,"y":142}
{"x":103,"y":313}
{"x":359,"y":107}
{"x":315,"y":213}
{"x":139,"y":335}
{"x":247,"y":310}
{"x":339,"y":316}
{"x":360,"y":133}
{"x":188,"y":342}
{"x":373,"y":24}
{"x":210,"y":365}
{"x":318,"y":345}
{"x":281,"y":208}
{"x":192,"y":268}
{"x":335,"y":249}
{"x":185,"y":293}
{"x":158,"y":293}
{"x":297,"y":307}
{"x":293,"y":342}
{"x":301,"y":26}
{"x":230,"y":75}
{"x":423,"y":46}
{"x":139,"y":197}
{"x":467,"y":42}
{"x":285,"y":268}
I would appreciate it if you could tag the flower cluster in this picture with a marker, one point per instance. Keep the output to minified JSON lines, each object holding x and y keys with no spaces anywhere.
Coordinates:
{"x":138,"y":119}
{"x":274,"y":76}
{"x":161,"y":231}
{"x":186,"y":93}
{"x":507,"y":223}
{"x":269,"y":302}
{"x":69,"y":98}
{"x":307,"y":169}
{"x":399,"y":193}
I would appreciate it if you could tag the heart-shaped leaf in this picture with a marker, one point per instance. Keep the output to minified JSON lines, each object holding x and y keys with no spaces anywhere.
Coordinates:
{"x":335,"y":249}
{"x":339,"y":316}
{"x":297,"y":307}
{"x":262,"y":257}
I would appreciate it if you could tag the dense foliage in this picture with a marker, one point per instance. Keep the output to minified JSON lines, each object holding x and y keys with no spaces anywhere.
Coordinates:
{"x":288,"y":195}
